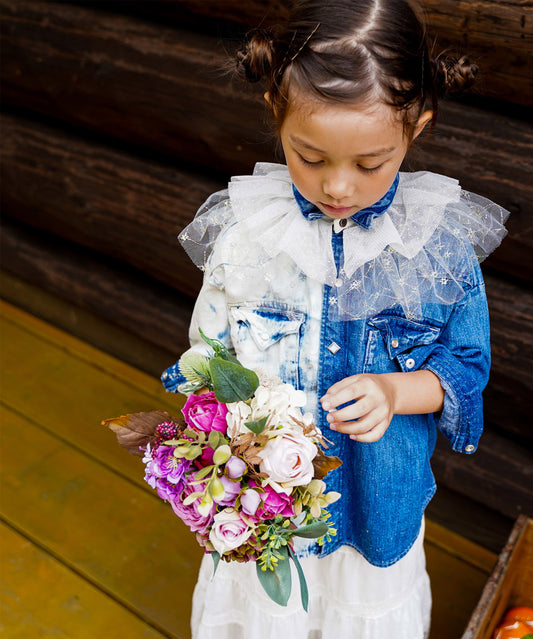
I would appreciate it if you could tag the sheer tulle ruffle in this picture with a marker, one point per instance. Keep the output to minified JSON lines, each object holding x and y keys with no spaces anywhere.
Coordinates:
{"x":423,"y":250}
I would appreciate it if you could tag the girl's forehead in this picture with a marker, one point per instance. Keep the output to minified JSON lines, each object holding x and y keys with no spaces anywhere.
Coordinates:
{"x":323,"y":124}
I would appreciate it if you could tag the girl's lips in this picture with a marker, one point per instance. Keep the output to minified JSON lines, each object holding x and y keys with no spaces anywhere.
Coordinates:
{"x":337,"y":210}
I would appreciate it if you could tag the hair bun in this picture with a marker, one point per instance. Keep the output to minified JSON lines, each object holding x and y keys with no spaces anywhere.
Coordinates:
{"x":454,"y":75}
{"x":256,"y":55}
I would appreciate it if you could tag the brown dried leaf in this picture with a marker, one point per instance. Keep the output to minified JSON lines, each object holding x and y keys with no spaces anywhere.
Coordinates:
{"x":324,"y":463}
{"x":137,"y":429}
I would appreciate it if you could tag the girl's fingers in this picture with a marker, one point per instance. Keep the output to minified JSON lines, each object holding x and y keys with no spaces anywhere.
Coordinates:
{"x":361,"y":426}
{"x":351,"y":412}
{"x":372,"y":435}
{"x":346,"y":390}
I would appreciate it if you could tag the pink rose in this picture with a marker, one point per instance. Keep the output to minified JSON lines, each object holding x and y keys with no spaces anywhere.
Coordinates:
{"x":229,"y":531}
{"x":275,"y":504}
{"x":288,"y":458}
{"x":204,"y":412}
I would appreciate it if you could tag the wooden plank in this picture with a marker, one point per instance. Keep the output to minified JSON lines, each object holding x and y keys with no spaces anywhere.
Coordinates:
{"x":40,"y":596}
{"x":497,"y":34}
{"x":117,"y":536}
{"x":34,"y":370}
{"x":186,"y":107}
{"x":458,"y":570}
{"x":132,"y":208}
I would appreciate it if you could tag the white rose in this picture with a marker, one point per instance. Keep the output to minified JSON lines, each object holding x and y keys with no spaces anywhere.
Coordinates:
{"x":229,"y":530}
{"x":281,"y":401}
{"x":288,"y":458}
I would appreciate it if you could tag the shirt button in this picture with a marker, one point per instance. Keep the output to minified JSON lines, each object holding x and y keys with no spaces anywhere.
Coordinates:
{"x":333,"y":348}
{"x":395,"y":343}
{"x":410,"y":363}
{"x":338,"y":282}
{"x":343,"y":222}
{"x":470,"y":448}
{"x":264,"y":336}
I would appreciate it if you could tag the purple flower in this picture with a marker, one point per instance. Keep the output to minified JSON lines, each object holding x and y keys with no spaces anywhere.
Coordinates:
{"x":165,"y":472}
{"x":235,"y":467}
{"x":231,"y":490}
{"x":275,"y":504}
{"x":250,"y":501}
{"x":205,"y":413}
{"x":190,"y":515}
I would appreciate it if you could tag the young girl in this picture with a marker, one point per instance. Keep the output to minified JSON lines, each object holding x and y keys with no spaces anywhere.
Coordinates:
{"x":360,"y":285}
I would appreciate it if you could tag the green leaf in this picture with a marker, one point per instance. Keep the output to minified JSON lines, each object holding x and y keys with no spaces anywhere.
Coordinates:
{"x":219,"y":348}
{"x":311,"y":531}
{"x":258,"y":426}
{"x":216,"y":439}
{"x":203,"y":472}
{"x":232,"y":382}
{"x":216,"y":561}
{"x":277,"y":583}
{"x":304,"y":592}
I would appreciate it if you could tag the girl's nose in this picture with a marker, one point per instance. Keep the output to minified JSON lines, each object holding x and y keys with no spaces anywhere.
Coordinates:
{"x":338,"y":185}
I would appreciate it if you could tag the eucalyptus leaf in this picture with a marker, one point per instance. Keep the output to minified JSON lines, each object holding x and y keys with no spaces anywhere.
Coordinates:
{"x":258,"y":426}
{"x":216,"y":561}
{"x":311,"y":531}
{"x":304,"y":592}
{"x":277,"y":583}
{"x":232,"y":382}
{"x":215,"y":439}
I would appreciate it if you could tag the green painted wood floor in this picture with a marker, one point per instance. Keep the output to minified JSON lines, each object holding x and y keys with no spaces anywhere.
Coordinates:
{"x":88,"y":551}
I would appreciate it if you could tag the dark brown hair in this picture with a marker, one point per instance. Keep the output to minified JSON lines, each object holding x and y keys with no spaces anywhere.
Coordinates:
{"x":353,"y":51}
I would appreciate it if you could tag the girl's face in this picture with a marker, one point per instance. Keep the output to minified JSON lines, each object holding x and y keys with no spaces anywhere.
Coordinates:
{"x":342,"y":158}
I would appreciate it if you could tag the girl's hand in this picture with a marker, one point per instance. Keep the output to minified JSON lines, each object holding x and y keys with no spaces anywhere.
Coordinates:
{"x":373,"y":410}
{"x":379,"y":397}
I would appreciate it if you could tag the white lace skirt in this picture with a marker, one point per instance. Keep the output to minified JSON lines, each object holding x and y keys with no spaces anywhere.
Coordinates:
{"x":348,"y":598}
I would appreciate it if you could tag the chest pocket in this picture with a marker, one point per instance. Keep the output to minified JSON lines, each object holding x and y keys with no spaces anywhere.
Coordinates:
{"x":267,"y":338}
{"x":396,"y":342}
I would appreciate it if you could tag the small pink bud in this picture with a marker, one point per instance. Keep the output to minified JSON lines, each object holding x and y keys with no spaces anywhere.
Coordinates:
{"x":250,"y":501}
{"x":235,"y":467}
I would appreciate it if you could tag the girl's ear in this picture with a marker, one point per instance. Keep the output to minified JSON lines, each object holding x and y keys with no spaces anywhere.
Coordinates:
{"x":423,"y":121}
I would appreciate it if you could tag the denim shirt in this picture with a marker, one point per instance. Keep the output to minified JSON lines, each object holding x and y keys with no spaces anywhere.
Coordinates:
{"x":277,"y":321}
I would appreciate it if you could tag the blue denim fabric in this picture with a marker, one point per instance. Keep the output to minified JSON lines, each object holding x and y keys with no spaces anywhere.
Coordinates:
{"x":385,"y":485}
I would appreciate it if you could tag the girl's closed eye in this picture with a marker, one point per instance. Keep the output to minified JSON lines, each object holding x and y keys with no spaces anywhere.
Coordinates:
{"x":370,"y":170}
{"x":309,"y":162}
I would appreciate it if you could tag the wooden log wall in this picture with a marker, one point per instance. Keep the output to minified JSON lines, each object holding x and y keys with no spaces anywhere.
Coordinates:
{"x":119,"y":120}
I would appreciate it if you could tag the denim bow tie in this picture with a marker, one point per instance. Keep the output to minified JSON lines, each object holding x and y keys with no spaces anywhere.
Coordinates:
{"x":363,"y":218}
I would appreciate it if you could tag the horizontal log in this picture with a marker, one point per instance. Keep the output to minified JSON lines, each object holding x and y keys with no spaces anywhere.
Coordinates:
{"x":111,"y":291}
{"x":163,"y":89}
{"x":109,"y":201}
{"x":498,"y":34}
{"x":142,"y":306}
{"x":498,"y":475}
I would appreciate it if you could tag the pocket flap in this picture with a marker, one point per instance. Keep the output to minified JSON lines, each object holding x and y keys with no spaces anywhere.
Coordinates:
{"x":267,"y":324}
{"x":401,"y":334}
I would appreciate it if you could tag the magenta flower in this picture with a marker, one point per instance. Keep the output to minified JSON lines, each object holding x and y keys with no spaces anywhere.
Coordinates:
{"x":205,"y":412}
{"x":275,"y":504}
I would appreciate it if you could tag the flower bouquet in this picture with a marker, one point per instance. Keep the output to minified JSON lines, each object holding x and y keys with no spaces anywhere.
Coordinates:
{"x":243,"y":468}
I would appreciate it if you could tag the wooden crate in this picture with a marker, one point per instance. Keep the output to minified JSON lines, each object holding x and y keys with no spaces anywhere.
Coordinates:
{"x":511,"y":583}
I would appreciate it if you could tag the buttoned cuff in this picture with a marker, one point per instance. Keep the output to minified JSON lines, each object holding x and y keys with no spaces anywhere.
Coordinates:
{"x":172,"y":378}
{"x":461,"y":419}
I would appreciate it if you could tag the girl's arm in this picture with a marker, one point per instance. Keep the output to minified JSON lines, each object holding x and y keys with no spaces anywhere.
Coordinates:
{"x":378,"y":398}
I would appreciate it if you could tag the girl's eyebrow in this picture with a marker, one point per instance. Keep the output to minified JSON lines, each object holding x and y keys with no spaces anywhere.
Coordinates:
{"x":372,"y":154}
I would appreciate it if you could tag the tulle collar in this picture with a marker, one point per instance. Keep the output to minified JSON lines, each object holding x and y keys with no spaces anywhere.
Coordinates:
{"x":363,"y":218}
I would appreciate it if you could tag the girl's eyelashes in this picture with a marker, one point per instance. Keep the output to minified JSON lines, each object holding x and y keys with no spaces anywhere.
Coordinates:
{"x":308,"y":162}
{"x":368,"y":170}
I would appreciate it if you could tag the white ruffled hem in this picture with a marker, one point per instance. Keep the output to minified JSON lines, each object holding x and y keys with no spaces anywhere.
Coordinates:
{"x":348,"y":598}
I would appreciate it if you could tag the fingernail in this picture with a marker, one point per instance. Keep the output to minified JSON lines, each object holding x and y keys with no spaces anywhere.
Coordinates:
{"x":326,"y":405}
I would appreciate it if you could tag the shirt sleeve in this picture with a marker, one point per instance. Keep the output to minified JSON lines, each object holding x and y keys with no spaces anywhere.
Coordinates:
{"x":211,"y":316}
{"x":461,"y":360}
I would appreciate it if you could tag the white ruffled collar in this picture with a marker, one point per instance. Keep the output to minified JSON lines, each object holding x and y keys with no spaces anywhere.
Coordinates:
{"x":264,"y":204}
